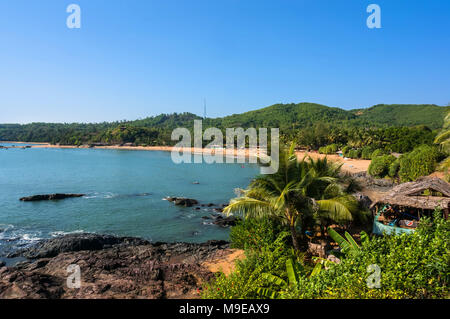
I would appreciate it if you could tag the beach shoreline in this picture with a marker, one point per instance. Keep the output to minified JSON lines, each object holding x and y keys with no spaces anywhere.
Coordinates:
{"x":348,"y":165}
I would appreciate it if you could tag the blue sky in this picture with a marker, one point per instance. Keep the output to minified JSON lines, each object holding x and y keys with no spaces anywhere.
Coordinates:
{"x":137,"y":58}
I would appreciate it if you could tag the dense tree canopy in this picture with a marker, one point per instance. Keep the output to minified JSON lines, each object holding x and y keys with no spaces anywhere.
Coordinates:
{"x":310,"y":125}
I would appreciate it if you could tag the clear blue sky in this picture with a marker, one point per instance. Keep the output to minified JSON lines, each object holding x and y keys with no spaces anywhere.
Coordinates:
{"x":136,"y":58}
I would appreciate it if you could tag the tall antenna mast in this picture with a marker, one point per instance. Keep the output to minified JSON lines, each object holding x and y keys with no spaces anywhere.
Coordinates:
{"x":204,"y":108}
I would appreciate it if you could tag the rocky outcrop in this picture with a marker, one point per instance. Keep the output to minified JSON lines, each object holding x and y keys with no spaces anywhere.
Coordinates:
{"x":182,"y":201}
{"x":126,"y":270}
{"x":35,"y":198}
{"x":225,"y":221}
{"x":221,"y":220}
{"x":365,"y":179}
{"x":75,"y":242}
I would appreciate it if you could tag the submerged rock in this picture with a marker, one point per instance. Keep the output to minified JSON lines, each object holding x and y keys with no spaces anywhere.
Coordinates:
{"x":49,"y":197}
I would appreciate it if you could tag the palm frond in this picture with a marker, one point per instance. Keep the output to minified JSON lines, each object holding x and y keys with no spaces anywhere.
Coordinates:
{"x":267,"y":293}
{"x":351,"y":241}
{"x":249,"y":207}
{"x":274,"y":279}
{"x":316,"y":270}
{"x":292,"y":275}
{"x":335,"y":210}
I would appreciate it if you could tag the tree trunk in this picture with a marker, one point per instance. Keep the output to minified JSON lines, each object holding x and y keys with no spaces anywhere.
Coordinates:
{"x":294,"y":237}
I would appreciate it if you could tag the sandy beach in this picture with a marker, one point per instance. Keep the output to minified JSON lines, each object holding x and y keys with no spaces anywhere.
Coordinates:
{"x":348,"y":165}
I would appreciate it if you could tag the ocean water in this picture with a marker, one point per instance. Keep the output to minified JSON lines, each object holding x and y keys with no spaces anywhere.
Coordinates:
{"x":124,"y":194}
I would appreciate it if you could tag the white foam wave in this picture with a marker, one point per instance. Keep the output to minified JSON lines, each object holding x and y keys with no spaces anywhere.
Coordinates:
{"x":62,"y":233}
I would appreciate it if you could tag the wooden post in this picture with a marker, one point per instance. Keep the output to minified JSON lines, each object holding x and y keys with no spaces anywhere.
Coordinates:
{"x":446,"y":211}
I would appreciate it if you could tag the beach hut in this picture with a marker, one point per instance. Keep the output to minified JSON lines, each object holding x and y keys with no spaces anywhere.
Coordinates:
{"x":401,"y":209}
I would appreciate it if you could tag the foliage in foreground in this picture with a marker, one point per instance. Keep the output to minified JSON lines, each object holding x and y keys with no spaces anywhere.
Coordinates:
{"x":299,"y":191}
{"x":412,"y":266}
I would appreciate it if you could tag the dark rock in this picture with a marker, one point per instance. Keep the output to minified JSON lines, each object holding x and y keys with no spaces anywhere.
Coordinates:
{"x":49,"y":197}
{"x":225,"y":221}
{"x":75,"y":242}
{"x":158,"y":270}
{"x":2,"y":264}
{"x":182,"y":201}
{"x":364,"y":201}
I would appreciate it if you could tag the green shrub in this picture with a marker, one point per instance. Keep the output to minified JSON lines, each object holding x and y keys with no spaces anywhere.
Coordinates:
{"x":412,"y":266}
{"x":345,"y":150}
{"x":379,"y":166}
{"x":252,"y":233}
{"x":247,"y":277}
{"x":422,"y":161}
{"x":367,"y":153}
{"x":354,"y":153}
{"x":331,"y":149}
{"x":394,"y":168}
{"x":377,"y":152}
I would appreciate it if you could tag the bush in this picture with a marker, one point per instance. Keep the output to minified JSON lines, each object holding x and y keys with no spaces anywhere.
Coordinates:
{"x":329,"y":149}
{"x":253,"y":234}
{"x":412,"y":266}
{"x":379,"y":166}
{"x":377,"y":152}
{"x":354,"y":153}
{"x":345,"y":150}
{"x":422,"y":161}
{"x":367,"y":153}
{"x":247,"y":277}
{"x":394,"y":168}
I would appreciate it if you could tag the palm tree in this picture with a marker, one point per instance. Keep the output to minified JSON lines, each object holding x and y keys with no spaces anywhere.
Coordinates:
{"x":294,"y":193}
{"x":443,"y":138}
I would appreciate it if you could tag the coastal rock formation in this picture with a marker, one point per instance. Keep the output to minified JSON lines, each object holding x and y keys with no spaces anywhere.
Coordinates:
{"x":49,"y":197}
{"x":127,"y":270}
{"x":221,"y":220}
{"x":182,"y":201}
{"x":75,"y":242}
{"x":225,"y":221}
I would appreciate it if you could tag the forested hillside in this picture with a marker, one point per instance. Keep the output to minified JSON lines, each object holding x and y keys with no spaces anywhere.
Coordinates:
{"x":294,"y":120}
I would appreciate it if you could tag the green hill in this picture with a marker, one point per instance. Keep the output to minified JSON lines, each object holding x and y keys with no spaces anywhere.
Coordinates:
{"x":288,"y":117}
{"x":403,"y":115}
{"x":285,"y":116}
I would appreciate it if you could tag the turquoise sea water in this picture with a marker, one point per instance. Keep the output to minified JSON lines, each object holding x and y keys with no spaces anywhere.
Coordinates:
{"x":124,"y":194}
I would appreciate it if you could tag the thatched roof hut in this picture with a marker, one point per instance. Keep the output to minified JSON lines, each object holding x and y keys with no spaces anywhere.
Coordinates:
{"x":411,"y":194}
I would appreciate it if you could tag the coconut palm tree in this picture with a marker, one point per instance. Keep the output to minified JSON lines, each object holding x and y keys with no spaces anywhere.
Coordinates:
{"x":295,"y":193}
{"x":443,"y":138}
